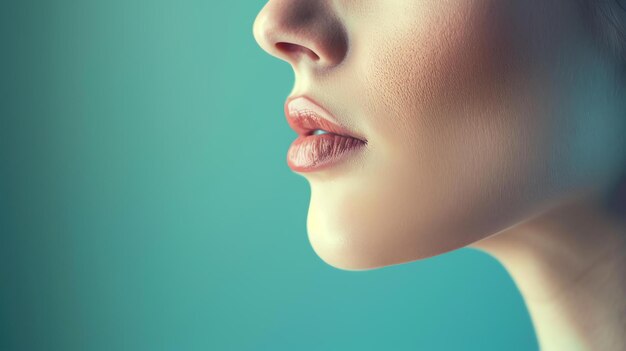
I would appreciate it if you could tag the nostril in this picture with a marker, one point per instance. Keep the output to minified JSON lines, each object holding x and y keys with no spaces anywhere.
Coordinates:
{"x":296,"y":49}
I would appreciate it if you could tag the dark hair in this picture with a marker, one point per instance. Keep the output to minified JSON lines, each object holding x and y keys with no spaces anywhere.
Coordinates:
{"x":608,"y":21}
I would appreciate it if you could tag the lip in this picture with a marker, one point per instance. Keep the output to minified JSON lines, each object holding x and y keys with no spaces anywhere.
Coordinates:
{"x":312,"y":152}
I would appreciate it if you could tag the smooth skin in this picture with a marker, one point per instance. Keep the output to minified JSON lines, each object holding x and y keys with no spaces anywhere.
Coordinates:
{"x":493,"y":124}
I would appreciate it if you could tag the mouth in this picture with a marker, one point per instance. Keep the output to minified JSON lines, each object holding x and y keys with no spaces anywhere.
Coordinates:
{"x":322,"y":142}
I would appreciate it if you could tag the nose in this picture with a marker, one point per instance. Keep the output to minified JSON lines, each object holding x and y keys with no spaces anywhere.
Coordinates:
{"x":299,"y":31}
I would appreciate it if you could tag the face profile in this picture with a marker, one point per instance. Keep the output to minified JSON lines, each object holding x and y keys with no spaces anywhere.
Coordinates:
{"x":428,"y":126}
{"x":440,"y":123}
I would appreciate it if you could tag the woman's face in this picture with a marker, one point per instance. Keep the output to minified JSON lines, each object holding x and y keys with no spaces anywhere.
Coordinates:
{"x":477,"y":115}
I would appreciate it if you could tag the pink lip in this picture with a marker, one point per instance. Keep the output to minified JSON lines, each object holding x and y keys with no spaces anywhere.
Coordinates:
{"x":312,"y":152}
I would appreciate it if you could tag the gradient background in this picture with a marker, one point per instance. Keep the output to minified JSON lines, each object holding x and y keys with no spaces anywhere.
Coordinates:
{"x":146,"y":204}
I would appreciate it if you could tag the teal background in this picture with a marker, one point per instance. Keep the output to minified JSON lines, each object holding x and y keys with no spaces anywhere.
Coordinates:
{"x":145,"y":201}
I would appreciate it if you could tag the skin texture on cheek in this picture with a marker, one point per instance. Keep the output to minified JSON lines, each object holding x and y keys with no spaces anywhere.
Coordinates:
{"x":454,"y":138}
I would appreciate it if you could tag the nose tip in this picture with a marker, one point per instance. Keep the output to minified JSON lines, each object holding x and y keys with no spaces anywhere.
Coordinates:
{"x":298,"y":30}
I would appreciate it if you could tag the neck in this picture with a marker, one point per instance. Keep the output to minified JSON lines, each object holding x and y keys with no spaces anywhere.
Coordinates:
{"x":570,"y":266}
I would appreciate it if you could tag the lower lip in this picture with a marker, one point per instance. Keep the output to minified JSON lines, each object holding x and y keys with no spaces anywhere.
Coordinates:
{"x":315,"y":152}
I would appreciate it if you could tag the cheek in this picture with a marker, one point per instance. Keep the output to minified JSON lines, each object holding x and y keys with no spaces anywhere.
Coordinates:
{"x":456,"y":142}
{"x":455,"y":126}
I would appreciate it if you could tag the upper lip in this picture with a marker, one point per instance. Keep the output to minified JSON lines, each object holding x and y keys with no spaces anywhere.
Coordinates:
{"x":305,"y":116}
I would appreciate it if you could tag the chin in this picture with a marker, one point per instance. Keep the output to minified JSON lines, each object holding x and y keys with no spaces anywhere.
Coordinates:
{"x":358,"y":235}
{"x":358,"y":246}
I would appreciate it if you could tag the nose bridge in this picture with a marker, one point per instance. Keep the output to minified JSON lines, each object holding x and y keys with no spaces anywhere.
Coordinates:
{"x":293,"y":30}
